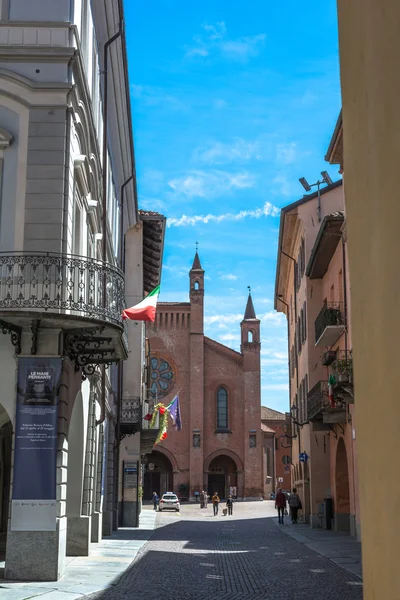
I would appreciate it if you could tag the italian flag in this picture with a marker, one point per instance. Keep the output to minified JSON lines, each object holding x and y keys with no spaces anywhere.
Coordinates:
{"x":145,"y":310}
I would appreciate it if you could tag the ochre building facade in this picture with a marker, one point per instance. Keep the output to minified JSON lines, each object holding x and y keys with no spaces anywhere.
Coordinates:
{"x":220,"y":445}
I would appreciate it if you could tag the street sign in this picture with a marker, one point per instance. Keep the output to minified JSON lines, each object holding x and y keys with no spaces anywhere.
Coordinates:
{"x":287,"y":468}
{"x":303,"y":457}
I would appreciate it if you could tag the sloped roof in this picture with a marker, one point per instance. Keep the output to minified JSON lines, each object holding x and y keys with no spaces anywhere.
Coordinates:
{"x":269,"y":414}
{"x":266,"y":429}
{"x":250,"y":313}
{"x":196,"y":263}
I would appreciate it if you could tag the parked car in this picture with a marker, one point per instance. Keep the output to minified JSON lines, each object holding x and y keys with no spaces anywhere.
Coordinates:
{"x":169,"y":501}
{"x":272,"y":496}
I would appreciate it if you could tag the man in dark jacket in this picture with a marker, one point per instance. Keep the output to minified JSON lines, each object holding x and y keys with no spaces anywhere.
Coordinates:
{"x":280,"y":504}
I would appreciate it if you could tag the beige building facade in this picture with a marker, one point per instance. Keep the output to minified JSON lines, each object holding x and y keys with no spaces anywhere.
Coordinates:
{"x":313,"y":289}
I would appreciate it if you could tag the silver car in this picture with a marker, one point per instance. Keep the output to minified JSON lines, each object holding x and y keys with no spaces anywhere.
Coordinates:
{"x":169,"y":501}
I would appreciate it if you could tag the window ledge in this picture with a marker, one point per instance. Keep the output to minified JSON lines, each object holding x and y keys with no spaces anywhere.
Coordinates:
{"x":222,"y":430}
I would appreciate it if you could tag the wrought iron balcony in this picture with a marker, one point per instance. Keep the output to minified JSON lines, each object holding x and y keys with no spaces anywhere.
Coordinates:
{"x":131,"y":416}
{"x":328,"y":357}
{"x":342,"y":373}
{"x":61,"y":284}
{"x":329,"y":324}
{"x":320,"y":408}
{"x":149,"y":434}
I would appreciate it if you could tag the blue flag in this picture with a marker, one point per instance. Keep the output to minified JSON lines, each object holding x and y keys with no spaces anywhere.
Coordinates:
{"x":175,"y":413}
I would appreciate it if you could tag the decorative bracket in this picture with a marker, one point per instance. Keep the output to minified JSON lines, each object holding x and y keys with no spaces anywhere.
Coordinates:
{"x":35,"y":330}
{"x":83,"y":346}
{"x":15,"y":333}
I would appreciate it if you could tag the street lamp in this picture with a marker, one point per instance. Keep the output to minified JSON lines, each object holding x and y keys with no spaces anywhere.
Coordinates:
{"x":307,"y":186}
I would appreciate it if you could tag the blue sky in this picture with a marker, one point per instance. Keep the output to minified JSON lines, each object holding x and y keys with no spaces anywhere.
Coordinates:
{"x":232,"y":103}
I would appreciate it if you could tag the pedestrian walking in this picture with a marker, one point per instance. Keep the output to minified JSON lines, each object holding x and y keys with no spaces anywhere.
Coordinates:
{"x":229,"y":504}
{"x":202,"y":499}
{"x":205,"y":499}
{"x":155,"y":500}
{"x":294,"y":505}
{"x":215,"y":502}
{"x":280,"y":504}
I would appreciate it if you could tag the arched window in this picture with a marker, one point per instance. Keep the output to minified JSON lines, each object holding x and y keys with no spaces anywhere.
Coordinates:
{"x":249,"y":336}
{"x":222,"y":408}
{"x":196,"y":285}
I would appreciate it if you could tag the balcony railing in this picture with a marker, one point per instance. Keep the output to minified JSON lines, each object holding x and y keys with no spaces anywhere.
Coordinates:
{"x":342,"y":367}
{"x":329,"y":324}
{"x":62,"y":284}
{"x":131,"y":415}
{"x":320,"y":408}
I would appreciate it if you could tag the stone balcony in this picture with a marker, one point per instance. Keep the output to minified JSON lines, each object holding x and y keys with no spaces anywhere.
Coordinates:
{"x":83,"y":297}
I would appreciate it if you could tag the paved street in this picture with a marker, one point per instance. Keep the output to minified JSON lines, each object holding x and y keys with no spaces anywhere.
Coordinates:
{"x":195,"y":555}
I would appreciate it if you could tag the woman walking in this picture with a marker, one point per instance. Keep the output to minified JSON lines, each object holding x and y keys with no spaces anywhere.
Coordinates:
{"x":294,"y":504}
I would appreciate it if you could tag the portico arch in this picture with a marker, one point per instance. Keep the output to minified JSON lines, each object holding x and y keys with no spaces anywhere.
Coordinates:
{"x":223,"y":473}
{"x":342,"y":495}
{"x":158,"y":474}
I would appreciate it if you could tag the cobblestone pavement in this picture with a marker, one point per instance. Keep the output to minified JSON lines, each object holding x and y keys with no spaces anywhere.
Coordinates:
{"x":245,"y":557}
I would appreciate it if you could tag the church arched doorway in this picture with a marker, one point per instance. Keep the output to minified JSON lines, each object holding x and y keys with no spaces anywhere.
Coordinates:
{"x":5,"y":476}
{"x":222,"y":476}
{"x":342,"y":500}
{"x":157,"y":475}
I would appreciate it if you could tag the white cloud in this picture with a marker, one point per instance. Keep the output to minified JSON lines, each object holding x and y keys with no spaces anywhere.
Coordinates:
{"x":274,"y":318}
{"x":229,"y":337}
{"x":220,"y":103}
{"x":216,"y":40}
{"x":219,"y":153}
{"x":287,"y":153}
{"x":227,"y":319}
{"x":284,"y":186}
{"x":155,"y":96}
{"x":267,"y":210}
{"x":244,"y":47}
{"x":283,"y":387}
{"x":229,"y":277}
{"x":210,"y":184}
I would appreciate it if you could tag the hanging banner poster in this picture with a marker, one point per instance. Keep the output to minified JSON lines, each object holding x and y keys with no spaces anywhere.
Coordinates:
{"x":35,"y":448}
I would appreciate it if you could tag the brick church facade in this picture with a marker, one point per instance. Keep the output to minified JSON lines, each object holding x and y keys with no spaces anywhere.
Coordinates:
{"x":220,"y":446}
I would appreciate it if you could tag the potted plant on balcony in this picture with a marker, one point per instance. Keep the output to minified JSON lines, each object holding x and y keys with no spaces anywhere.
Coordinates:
{"x":343,"y":369}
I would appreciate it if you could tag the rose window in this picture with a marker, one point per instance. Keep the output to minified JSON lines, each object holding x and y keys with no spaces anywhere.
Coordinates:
{"x":162,"y":377}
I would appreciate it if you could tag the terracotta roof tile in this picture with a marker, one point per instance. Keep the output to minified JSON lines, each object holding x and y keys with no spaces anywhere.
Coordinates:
{"x":269,"y":414}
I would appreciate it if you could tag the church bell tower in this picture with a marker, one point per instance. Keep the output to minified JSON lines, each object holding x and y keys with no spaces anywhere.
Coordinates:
{"x":196,"y":293}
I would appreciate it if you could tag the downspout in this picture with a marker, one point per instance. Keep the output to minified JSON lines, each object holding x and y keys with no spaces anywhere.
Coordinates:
{"x":120,"y":364}
{"x":295,"y":321}
{"x":104,"y":198}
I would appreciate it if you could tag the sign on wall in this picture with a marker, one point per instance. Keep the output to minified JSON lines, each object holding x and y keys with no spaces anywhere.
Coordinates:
{"x":35,"y":448}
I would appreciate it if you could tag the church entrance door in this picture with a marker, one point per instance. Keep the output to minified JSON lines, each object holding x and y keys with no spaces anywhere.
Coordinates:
{"x":216,"y":483}
{"x":157,"y":475}
{"x":222,"y":476}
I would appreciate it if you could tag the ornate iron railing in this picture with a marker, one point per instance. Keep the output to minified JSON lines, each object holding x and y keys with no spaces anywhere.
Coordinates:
{"x":331,"y":314}
{"x":62,"y":283}
{"x":131,"y":416}
{"x":317,"y":400}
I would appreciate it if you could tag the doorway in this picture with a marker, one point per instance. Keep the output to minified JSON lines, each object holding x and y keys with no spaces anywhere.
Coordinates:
{"x":222,"y":476}
{"x":157,"y":475}
{"x":342,"y":500}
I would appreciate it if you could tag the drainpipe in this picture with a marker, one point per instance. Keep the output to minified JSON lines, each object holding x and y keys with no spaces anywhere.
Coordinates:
{"x":295,"y":320}
{"x":344,"y":293}
{"x":121,"y":223}
{"x":278,"y":297}
{"x":104,"y":198}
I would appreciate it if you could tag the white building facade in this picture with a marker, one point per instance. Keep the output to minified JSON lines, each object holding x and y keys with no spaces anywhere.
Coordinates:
{"x":68,"y":196}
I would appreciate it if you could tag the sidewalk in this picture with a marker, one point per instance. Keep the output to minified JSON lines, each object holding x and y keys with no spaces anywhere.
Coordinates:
{"x":88,"y":574}
{"x":337,"y":546}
